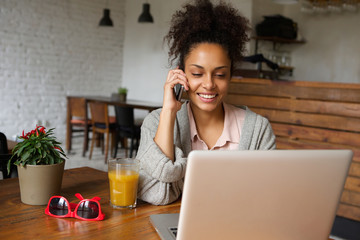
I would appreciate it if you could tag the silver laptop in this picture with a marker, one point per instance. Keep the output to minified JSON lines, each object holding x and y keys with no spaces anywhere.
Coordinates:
{"x":278,"y":194}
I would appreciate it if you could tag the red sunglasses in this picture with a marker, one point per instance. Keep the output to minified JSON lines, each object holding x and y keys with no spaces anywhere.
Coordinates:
{"x":86,"y":209}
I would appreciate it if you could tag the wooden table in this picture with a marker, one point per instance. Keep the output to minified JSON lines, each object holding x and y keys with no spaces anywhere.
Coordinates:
{"x":145,"y":105}
{"x":21,"y":221}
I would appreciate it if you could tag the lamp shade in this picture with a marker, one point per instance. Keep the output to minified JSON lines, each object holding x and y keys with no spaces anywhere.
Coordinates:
{"x":145,"y":15}
{"x":105,"y":20}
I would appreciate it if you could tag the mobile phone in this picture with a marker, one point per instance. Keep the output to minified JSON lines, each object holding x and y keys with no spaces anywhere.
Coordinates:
{"x":178,"y":90}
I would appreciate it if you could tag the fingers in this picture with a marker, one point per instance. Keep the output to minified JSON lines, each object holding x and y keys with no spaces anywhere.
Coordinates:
{"x":174,"y":72}
{"x":176,"y":76}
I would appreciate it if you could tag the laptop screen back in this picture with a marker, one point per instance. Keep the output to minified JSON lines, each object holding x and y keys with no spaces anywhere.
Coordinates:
{"x":278,"y":194}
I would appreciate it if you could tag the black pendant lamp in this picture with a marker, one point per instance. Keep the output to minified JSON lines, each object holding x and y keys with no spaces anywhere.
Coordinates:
{"x":145,"y":16}
{"x":106,"y":20}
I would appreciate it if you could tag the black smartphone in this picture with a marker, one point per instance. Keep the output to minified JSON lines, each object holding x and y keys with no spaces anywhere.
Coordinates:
{"x":178,"y":90}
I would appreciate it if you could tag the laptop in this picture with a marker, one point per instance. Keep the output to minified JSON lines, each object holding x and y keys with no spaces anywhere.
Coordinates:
{"x":277,"y":194}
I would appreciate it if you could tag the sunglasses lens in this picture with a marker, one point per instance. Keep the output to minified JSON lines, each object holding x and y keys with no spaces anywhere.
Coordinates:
{"x":88,"y":210}
{"x":58,"y":207}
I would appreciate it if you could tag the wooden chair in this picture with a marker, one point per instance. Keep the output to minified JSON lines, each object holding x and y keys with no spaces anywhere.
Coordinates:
{"x":77,"y":121}
{"x":126,"y":128}
{"x":101,"y":124}
{"x":3,"y":144}
{"x":5,"y":157}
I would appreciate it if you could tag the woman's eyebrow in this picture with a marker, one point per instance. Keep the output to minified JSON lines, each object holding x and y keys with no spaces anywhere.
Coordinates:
{"x":198,"y":66}
{"x":221,"y":67}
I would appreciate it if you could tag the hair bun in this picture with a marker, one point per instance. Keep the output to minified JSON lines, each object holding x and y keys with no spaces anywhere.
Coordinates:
{"x":204,"y":22}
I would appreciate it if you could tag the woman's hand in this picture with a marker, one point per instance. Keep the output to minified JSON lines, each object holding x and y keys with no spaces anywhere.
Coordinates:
{"x":164,"y":136}
{"x":174,"y":77}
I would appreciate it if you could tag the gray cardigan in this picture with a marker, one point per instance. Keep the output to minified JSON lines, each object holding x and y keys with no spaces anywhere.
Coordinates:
{"x":161,"y":180}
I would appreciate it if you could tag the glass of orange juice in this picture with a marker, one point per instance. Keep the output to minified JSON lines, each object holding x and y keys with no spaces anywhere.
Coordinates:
{"x":123,"y":179}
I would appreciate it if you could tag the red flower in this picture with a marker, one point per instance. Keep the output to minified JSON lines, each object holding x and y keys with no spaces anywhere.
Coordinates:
{"x":37,"y":131}
{"x":42,"y":129}
{"x":24,"y":136}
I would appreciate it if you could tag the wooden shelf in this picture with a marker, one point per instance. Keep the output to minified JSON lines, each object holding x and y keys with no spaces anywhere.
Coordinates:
{"x":276,"y":40}
{"x":286,"y":67}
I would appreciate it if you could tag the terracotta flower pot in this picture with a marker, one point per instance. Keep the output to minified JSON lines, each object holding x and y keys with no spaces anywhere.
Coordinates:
{"x":39,"y":182}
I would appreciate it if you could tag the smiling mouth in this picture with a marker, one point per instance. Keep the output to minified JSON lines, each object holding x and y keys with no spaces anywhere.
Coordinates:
{"x":207,"y":96}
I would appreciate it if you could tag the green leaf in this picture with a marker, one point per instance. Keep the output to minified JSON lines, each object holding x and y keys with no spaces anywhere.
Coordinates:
{"x":20,"y":147}
{"x":32,"y":161}
{"x":46,"y":161}
{"x":63,"y":154}
{"x":37,"y":159}
{"x":8,"y":166}
{"x":26,"y":155}
{"x":51,"y":159}
{"x":39,"y":149}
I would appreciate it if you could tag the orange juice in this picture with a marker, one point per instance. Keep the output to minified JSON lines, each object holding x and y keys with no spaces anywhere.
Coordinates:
{"x":123,"y":187}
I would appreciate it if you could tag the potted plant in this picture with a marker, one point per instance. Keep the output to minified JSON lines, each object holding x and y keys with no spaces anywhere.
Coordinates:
{"x":40,"y":163}
{"x":122,"y":94}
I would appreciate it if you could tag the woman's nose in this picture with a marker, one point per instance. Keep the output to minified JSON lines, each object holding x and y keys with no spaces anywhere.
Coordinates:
{"x":208,"y":82}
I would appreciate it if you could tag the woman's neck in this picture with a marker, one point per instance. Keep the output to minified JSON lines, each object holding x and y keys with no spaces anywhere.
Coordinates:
{"x":204,"y":117}
{"x":209,"y":125}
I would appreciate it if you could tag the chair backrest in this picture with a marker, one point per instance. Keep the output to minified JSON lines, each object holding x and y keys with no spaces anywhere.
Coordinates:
{"x":99,"y":113}
{"x":3,"y":144}
{"x":124,"y":116}
{"x":77,"y":106}
{"x":4,"y":158}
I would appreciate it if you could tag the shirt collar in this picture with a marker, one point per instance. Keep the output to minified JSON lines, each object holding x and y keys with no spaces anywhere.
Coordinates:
{"x":193,"y":130}
{"x":231,"y":129}
{"x":229,"y":134}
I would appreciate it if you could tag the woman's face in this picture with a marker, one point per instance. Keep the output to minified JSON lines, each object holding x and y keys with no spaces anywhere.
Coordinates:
{"x":207,"y":68}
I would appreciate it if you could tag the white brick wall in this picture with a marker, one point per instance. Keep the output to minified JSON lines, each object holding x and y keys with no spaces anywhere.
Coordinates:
{"x":50,"y":49}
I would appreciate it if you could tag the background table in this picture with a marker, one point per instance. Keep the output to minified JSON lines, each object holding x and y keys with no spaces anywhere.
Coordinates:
{"x":21,"y":221}
{"x":145,"y":105}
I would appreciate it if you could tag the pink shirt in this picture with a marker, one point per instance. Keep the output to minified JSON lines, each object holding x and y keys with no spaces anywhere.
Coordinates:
{"x":230,"y":136}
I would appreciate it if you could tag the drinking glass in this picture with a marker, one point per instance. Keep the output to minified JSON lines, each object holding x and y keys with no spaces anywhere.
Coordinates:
{"x":123,"y":179}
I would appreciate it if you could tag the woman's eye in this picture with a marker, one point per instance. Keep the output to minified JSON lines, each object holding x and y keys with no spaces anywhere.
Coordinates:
{"x":197,"y":74}
{"x":220,"y":75}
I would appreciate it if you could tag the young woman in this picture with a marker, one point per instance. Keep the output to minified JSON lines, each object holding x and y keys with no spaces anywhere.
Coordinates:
{"x":207,"y":41}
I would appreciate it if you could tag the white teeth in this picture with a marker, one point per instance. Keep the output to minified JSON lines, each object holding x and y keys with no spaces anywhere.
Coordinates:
{"x":207,"y":96}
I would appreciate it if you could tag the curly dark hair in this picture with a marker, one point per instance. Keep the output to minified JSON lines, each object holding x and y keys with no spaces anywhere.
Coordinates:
{"x":203,"y":22}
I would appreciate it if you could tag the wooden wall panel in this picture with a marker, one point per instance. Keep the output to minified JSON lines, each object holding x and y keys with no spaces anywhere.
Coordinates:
{"x":286,"y":89}
{"x":316,"y":134}
{"x":349,"y":211}
{"x":312,"y":120}
{"x":286,"y":143}
{"x":310,"y":115}
{"x":354,"y":170}
{"x":350,"y":198}
{"x":296,"y":105}
{"x":352,"y":184}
